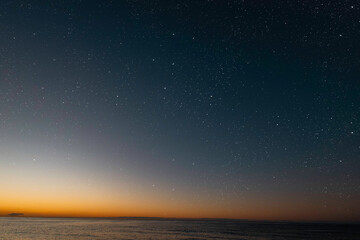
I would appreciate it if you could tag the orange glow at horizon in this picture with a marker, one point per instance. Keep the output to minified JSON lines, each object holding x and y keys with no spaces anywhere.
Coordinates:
{"x":87,"y":205}
{"x":67,"y":193}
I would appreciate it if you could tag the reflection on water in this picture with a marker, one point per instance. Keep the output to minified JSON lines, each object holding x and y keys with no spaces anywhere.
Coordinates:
{"x":44,"y":228}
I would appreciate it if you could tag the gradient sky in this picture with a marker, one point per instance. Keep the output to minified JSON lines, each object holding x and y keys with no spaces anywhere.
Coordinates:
{"x":234,"y":109}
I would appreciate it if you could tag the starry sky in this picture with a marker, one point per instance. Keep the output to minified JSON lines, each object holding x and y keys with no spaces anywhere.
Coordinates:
{"x":233,"y":109}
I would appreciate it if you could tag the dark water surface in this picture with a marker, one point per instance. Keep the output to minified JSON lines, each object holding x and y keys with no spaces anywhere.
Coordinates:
{"x":56,"y":228}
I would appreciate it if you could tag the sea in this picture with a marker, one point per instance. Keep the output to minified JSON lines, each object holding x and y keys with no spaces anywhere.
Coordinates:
{"x":170,"y":229}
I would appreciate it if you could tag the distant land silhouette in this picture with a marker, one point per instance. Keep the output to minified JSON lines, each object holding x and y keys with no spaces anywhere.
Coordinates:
{"x":15,"y":214}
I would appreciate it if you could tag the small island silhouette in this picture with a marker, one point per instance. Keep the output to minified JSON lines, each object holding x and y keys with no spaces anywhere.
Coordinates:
{"x":15,"y":214}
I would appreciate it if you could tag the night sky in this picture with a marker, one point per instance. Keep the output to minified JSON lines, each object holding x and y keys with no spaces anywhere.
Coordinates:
{"x":234,"y":109}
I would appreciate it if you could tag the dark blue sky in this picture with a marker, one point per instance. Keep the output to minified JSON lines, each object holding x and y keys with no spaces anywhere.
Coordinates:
{"x":235,"y":101}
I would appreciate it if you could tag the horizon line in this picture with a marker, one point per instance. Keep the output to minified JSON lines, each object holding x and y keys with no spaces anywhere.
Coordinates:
{"x":189,"y":218}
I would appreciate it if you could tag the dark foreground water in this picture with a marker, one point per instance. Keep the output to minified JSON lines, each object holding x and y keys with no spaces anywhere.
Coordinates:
{"x":43,"y":228}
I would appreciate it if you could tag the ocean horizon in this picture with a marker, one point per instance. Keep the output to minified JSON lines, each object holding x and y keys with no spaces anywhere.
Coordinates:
{"x":15,"y":228}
